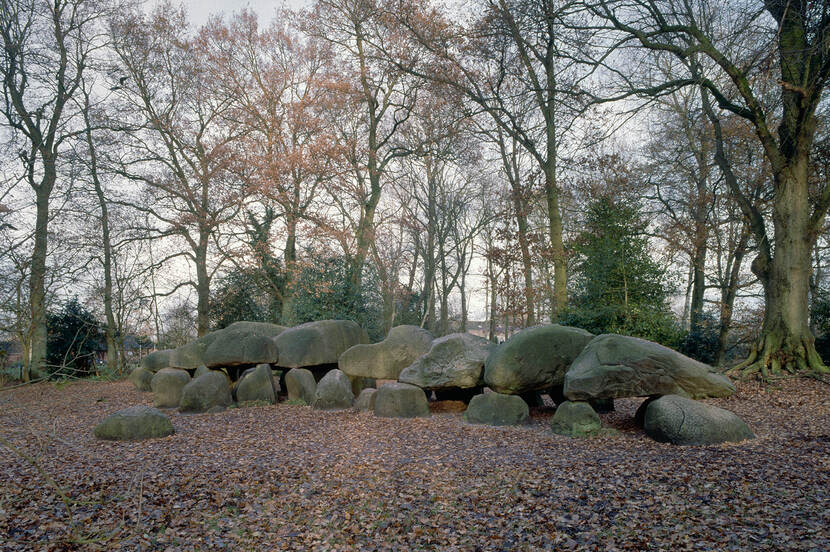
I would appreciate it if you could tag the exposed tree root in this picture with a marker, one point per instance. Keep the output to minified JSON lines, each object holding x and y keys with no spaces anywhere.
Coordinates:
{"x":773,"y":356}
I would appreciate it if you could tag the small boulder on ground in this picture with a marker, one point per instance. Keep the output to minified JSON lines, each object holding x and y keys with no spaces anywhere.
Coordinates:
{"x":575,"y":419}
{"x":205,"y":392}
{"x":141,"y":377}
{"x":257,"y":384}
{"x":365,"y":402}
{"x":616,"y":366}
{"x":534,"y":359}
{"x":386,"y":359}
{"x":497,"y":409}
{"x":682,"y":421}
{"x":333,"y":392}
{"x":301,"y":385}
{"x":318,"y":343}
{"x":401,"y":400}
{"x":167,"y":387}
{"x":136,"y":422}
{"x":453,"y":361}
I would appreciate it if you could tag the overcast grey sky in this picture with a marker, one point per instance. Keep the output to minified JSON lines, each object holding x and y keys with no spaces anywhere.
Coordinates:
{"x":199,"y":10}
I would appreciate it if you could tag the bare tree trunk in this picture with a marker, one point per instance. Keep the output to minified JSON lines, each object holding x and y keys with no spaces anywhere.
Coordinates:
{"x":37,"y":277}
{"x":202,"y":287}
{"x":728,"y":295}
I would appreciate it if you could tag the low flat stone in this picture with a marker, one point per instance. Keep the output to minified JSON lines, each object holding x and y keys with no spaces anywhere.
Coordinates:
{"x":134,"y":423}
{"x":683,"y":421}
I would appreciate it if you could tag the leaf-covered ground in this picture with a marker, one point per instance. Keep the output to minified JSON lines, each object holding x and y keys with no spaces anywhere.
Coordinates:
{"x":290,"y":478}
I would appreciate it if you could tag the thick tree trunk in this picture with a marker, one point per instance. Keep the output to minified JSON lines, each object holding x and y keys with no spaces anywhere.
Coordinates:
{"x":37,"y":277}
{"x":290,"y":259}
{"x":560,"y":268}
{"x":202,"y":288}
{"x":786,"y":343}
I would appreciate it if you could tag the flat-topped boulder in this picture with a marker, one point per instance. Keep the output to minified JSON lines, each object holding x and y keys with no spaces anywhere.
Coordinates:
{"x":615,"y":366}
{"x":453,"y":361}
{"x":155,"y":361}
{"x":189,"y":356}
{"x":683,"y":421}
{"x":257,"y":384}
{"x":497,"y":409}
{"x":386,"y":359}
{"x":334,"y":392}
{"x":318,"y":343}
{"x":167,"y":385}
{"x":401,"y":400}
{"x":239,"y":347}
{"x":134,"y":423}
{"x":301,"y":385}
{"x":206,"y":392}
{"x":534,"y":359}
{"x":257,"y":328}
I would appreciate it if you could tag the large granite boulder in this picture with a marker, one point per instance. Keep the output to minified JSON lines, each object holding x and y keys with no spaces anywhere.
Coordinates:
{"x":318,"y":343}
{"x":167,"y":387}
{"x":189,"y":356}
{"x":453,"y":361}
{"x":155,"y":361}
{"x":301,"y":385}
{"x":257,"y":384}
{"x":333,"y":392}
{"x":141,"y":378}
{"x":239,"y":347}
{"x":401,"y":400}
{"x":497,"y":409}
{"x":534,"y":359}
{"x":683,"y":421}
{"x":613,"y":366}
{"x":256,"y":328}
{"x":365,"y":402}
{"x":206,"y":392}
{"x":386,"y":359}
{"x":136,"y":422}
{"x":575,"y":419}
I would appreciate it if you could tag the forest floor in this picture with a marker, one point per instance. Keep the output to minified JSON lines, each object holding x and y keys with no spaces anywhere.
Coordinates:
{"x":290,"y":478}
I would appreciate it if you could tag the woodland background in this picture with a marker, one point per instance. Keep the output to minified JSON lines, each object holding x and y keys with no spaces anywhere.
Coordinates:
{"x":657,"y":169}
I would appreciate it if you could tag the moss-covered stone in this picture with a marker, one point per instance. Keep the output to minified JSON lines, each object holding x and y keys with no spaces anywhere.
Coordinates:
{"x":134,"y":423}
{"x":497,"y":409}
{"x":576,"y":419}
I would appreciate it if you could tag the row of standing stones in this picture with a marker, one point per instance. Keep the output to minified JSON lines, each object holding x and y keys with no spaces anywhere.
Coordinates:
{"x":330,"y":365}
